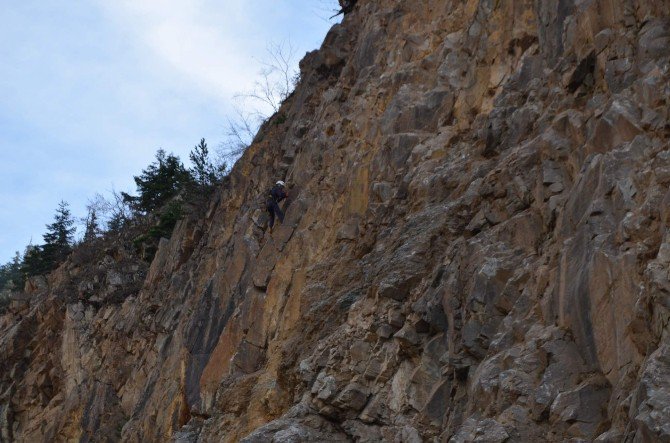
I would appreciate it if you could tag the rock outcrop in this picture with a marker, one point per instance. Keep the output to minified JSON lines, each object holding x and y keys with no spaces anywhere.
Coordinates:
{"x":476,"y":249}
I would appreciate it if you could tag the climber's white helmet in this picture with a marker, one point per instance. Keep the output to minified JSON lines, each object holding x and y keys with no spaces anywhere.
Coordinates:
{"x":281,"y":183}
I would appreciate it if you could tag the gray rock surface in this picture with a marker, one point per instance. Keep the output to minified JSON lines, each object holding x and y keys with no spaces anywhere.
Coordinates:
{"x":476,"y":249}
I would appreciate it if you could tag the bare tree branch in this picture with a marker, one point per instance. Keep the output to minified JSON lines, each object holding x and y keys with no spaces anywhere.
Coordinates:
{"x":277,"y":76}
{"x":325,"y":9}
{"x":278,"y":79}
{"x":240,"y":132}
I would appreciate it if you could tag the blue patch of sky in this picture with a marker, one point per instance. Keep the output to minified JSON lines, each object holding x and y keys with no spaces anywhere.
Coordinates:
{"x":90,"y":90}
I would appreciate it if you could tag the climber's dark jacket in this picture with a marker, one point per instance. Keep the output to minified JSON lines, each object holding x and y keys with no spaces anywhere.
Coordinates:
{"x":276,"y":194}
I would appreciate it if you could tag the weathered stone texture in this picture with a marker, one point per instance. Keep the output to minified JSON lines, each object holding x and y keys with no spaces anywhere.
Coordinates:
{"x":476,"y":249}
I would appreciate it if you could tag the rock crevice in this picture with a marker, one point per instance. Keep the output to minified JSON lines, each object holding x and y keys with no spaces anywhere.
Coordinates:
{"x":476,"y":249}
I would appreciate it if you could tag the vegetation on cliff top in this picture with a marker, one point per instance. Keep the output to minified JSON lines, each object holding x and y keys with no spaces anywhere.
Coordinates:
{"x":162,"y":189}
{"x":166,"y":189}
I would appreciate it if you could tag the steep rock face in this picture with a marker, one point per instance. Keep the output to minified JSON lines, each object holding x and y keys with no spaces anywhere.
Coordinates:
{"x":476,"y":249}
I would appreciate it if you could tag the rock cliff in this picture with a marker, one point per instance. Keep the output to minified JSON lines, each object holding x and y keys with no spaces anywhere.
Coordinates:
{"x":476,"y":248}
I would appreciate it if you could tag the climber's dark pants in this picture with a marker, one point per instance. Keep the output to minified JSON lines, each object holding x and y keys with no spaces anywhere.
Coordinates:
{"x":273,"y":208}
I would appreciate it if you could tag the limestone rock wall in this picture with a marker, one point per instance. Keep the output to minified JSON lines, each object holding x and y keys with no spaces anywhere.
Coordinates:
{"x":475,"y":249}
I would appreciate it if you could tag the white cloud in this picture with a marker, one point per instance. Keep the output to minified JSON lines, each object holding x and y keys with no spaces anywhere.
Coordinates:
{"x":208,"y":50}
{"x":89,"y":92}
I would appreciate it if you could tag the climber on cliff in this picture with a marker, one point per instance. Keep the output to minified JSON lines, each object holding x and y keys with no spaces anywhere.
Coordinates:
{"x":276,"y":194}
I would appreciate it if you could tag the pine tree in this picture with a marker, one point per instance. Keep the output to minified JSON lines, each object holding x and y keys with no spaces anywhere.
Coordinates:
{"x":162,"y":180}
{"x":17,"y":277}
{"x":58,"y":238}
{"x":118,"y":211}
{"x":203,"y":171}
{"x":116,"y":222}
{"x":11,"y":277}
{"x":92,"y":227}
{"x":33,"y":261}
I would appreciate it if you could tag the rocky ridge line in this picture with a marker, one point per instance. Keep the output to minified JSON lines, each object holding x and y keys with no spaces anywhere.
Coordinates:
{"x":476,"y":250}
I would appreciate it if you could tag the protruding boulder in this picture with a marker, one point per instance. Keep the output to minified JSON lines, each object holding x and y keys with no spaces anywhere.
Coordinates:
{"x":584,"y":408}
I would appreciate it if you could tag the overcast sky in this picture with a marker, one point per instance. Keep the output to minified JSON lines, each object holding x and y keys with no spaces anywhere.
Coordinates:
{"x":89,"y":90}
